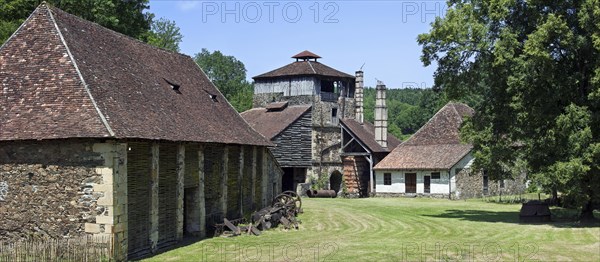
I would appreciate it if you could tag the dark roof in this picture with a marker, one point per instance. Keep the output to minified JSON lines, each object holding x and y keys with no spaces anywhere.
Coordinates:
{"x":306,"y":54}
{"x":272,"y":123}
{"x":304,"y":68}
{"x":277,"y":106}
{"x":366,"y":134}
{"x":64,"y":77}
{"x":436,"y":145}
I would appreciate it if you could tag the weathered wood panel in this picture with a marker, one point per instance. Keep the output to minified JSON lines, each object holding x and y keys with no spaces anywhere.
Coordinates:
{"x":294,"y":143}
{"x":213,"y":164}
{"x":191,"y":166}
{"x":167,"y":195}
{"x":233,"y":183}
{"x":139,"y":164}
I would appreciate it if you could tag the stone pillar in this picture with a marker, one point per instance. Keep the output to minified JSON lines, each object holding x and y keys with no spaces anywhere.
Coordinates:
{"x":359,"y":97}
{"x":380,"y":116}
{"x":154,"y":198}
{"x":224,"y":180}
{"x":112,"y":223}
{"x":265,"y":177}
{"x":240,"y":182}
{"x":201,"y":197}
{"x":180,"y":188}
{"x":253,"y":180}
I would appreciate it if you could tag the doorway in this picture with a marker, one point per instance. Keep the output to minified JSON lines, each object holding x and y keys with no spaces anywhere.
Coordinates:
{"x":335,"y":181}
{"x":410,"y":180}
{"x":427,"y":181}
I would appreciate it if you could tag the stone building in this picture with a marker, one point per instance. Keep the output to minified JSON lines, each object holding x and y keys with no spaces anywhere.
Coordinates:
{"x":434,"y":162}
{"x":330,"y":95}
{"x":365,"y":144}
{"x":102,"y":134}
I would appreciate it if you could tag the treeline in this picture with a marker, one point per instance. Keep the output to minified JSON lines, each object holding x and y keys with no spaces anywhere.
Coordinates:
{"x":409,"y":109}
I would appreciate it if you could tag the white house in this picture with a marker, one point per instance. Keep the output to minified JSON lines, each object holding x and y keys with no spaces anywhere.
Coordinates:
{"x":428,"y":162}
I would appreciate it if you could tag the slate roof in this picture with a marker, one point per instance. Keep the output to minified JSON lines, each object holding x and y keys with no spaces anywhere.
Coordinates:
{"x":434,"y":146}
{"x":65,"y":77}
{"x":303,"y":68}
{"x":366,"y":134}
{"x":272,"y":123}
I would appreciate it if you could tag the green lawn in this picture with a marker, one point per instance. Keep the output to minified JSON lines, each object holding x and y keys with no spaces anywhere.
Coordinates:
{"x":395,"y":229}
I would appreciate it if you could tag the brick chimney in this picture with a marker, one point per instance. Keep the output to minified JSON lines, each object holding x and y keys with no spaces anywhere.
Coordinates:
{"x":380,"y":115}
{"x":359,"y":97}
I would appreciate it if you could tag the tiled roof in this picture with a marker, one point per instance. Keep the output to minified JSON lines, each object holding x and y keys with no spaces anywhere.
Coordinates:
{"x":272,"y":123}
{"x":64,"y":77}
{"x":366,"y":134}
{"x":436,"y":145}
{"x":306,"y":54}
{"x":304,"y":68}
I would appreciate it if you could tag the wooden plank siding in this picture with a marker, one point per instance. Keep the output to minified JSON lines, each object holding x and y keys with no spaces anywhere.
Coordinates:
{"x":139,"y":159}
{"x":294,"y":143}
{"x":167,"y":194}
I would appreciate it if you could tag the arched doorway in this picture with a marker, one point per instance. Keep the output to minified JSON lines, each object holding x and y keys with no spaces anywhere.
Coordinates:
{"x":335,"y":181}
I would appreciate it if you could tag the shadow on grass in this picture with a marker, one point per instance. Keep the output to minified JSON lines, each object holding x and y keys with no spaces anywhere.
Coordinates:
{"x":508,"y":217}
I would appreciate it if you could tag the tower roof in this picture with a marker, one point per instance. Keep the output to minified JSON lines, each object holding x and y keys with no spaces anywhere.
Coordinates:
{"x":306,"y":55}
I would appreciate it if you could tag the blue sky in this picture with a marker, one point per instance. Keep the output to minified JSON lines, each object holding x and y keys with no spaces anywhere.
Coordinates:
{"x":347,"y":34}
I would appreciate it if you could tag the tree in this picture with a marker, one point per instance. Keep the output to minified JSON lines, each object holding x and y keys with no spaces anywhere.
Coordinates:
{"x":127,"y":17}
{"x":229,"y":75}
{"x":535,"y":65}
{"x":165,"y":34}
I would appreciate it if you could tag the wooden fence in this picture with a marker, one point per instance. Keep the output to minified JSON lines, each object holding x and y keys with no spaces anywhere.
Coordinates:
{"x":89,"y":248}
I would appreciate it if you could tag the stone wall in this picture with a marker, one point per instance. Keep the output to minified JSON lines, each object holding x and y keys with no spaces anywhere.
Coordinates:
{"x":47,"y":188}
{"x":469,"y":184}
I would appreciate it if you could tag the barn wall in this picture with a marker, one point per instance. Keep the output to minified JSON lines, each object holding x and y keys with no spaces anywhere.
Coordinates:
{"x":47,"y":188}
{"x":470,"y":185}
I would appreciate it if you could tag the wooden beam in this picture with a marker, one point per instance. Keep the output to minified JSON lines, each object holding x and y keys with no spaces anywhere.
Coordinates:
{"x":253,"y":181}
{"x":154,"y":198}
{"x":201,"y":194}
{"x":224,"y":180}
{"x":180,"y":189}
{"x":240,"y":181}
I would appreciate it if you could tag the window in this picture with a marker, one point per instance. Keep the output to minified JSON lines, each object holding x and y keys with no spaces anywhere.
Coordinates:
{"x":387,"y":179}
{"x":485,"y":184}
{"x":502,"y":183}
{"x":334,"y":118}
{"x":435,"y":175}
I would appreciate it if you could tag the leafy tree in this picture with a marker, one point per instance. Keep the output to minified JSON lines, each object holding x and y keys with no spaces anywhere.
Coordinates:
{"x":535,"y":66}
{"x":229,"y":75}
{"x":127,"y":17}
{"x":165,"y":34}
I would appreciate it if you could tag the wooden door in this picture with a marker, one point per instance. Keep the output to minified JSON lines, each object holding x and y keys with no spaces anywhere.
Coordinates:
{"x":410,"y":180}
{"x":427,"y":184}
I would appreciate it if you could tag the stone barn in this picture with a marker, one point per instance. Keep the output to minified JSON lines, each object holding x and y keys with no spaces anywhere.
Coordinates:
{"x":329,"y":92}
{"x":102,"y":134}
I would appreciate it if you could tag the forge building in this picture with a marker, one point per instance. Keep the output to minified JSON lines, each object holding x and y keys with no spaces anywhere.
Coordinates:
{"x":299,"y":107}
{"x":102,"y":134}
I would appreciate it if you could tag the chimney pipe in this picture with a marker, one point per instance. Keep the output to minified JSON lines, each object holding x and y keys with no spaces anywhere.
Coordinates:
{"x":359,"y":97}
{"x":380,"y":115}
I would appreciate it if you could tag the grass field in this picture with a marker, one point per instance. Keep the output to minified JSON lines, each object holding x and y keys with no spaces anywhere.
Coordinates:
{"x":404,"y":229}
